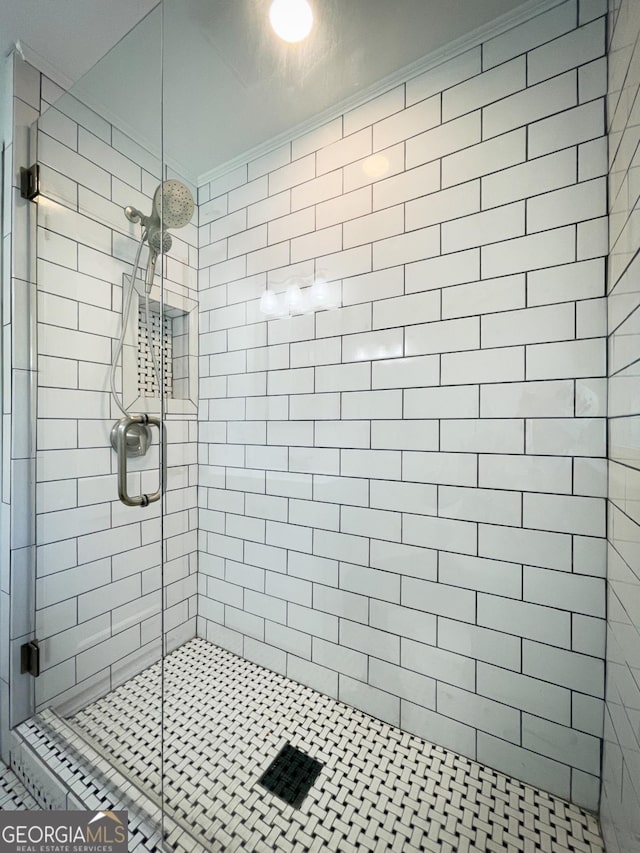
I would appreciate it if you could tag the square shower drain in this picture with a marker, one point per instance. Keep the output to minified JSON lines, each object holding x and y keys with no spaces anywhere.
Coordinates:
{"x":290,"y":775}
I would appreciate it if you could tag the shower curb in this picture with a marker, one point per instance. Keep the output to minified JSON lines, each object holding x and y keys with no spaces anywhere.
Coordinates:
{"x":61,"y":770}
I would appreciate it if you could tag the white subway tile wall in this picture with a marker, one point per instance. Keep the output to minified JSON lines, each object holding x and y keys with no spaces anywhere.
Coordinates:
{"x":620,"y":802}
{"x":406,"y":489}
{"x":99,"y":588}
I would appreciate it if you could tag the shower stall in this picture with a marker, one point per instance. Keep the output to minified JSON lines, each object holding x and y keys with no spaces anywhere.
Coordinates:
{"x":304,"y":533}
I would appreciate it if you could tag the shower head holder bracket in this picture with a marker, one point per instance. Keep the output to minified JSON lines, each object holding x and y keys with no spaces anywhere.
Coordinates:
{"x":136,"y":216}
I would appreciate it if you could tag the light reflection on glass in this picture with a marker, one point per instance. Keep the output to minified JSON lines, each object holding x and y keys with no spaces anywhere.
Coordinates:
{"x":269,"y":303}
{"x":320,"y":291}
{"x":300,"y":295}
{"x":294,"y":299}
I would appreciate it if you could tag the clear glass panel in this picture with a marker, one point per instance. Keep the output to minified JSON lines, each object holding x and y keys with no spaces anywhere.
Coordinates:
{"x":102,"y":343}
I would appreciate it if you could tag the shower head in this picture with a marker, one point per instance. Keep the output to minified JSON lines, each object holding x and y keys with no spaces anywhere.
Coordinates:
{"x":159,"y":241}
{"x":173,"y":204}
{"x":173,"y":207}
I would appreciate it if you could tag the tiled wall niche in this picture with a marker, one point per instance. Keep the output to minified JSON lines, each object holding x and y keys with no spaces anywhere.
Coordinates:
{"x":98,"y":588}
{"x":402,"y":501}
{"x":620,"y":806}
{"x":179,"y":315}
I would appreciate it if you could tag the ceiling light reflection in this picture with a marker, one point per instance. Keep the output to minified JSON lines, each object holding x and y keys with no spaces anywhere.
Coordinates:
{"x":320,"y":291}
{"x":269,"y":303}
{"x":294,"y":298}
{"x":375,"y":166}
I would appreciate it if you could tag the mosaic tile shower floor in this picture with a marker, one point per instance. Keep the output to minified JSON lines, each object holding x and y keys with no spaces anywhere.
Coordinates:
{"x":380,"y":789}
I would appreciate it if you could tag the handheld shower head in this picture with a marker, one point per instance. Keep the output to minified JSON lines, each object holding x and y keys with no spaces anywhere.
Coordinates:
{"x":159,"y":241}
{"x":173,"y":204}
{"x":173,"y":207}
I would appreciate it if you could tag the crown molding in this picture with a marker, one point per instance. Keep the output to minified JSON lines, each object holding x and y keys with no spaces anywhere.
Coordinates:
{"x":26,"y":52}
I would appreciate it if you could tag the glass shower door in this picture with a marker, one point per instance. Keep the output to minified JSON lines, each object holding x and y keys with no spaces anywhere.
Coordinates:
{"x":107,"y":353}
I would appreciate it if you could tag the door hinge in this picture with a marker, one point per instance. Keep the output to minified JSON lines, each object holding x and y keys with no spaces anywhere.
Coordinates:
{"x":30,"y":658}
{"x":30,"y":182}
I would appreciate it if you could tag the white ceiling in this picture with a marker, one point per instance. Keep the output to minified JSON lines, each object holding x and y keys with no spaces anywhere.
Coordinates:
{"x":69,"y":35}
{"x":230,"y":84}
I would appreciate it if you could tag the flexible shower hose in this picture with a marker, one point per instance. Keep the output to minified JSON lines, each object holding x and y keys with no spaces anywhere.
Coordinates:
{"x":125,"y":318}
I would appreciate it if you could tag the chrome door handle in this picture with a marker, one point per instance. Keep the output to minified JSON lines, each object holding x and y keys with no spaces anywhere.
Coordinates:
{"x":121,"y":429}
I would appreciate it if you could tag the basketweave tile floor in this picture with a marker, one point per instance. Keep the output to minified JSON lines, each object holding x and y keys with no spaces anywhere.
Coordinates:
{"x":379,"y":789}
{"x":13,"y":794}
